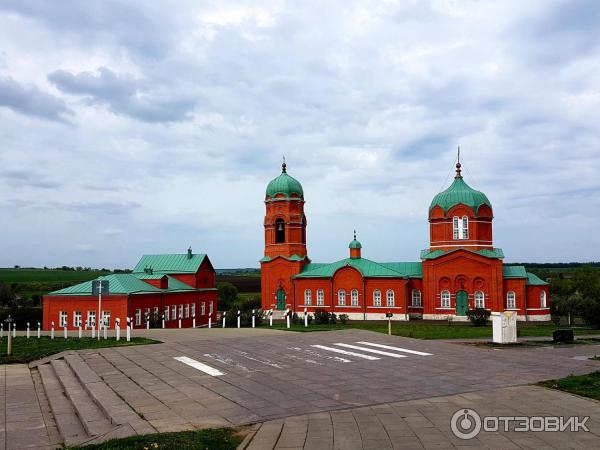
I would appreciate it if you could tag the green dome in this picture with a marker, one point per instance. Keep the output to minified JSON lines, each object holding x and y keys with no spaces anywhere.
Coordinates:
{"x":459,"y":192}
{"x":355,"y":244}
{"x":284,"y":184}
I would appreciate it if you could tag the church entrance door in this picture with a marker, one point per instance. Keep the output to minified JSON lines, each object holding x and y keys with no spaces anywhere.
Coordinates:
{"x":462,"y":303}
{"x":280,"y":299}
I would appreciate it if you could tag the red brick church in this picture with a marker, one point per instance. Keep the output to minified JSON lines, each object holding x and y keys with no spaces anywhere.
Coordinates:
{"x":460,"y":270}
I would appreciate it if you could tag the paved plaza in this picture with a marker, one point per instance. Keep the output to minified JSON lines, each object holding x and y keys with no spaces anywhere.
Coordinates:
{"x":342,"y":389}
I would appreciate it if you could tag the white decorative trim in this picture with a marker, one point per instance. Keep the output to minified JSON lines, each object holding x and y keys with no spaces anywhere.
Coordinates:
{"x":461,"y":245}
{"x":535,"y":318}
{"x":454,"y":317}
{"x":381,"y":316}
{"x":384,"y":307}
{"x":447,"y":309}
{"x":538,"y":309}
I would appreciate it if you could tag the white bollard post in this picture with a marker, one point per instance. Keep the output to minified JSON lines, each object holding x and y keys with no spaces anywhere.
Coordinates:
{"x":180,"y":322}
{"x":117,"y":329}
{"x":1,"y":330}
{"x":253,"y":318}
{"x":51,"y":331}
{"x":209,"y":321}
{"x":27,"y":330}
{"x":163,"y":320}
{"x":238,"y":322}
{"x":39,"y":329}
{"x":128,"y":331}
{"x":224,"y":313}
{"x":105,"y":329}
{"x":65,"y":331}
{"x":93,"y":331}
{"x":287,"y":318}
{"x":79,"y":332}
{"x":271,"y":317}
{"x":194,"y":322}
{"x":305,"y":317}
{"x":14,"y":330}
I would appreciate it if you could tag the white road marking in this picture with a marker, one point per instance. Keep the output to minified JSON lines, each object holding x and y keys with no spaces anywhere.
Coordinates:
{"x":344,"y":352}
{"x":398,"y":349}
{"x":319,"y":355}
{"x":371,"y":350}
{"x":228,"y":361}
{"x":267,"y":362}
{"x":200,"y":366}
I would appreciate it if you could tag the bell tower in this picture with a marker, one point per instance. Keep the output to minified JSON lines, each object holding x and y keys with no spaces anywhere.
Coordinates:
{"x":285,"y":240}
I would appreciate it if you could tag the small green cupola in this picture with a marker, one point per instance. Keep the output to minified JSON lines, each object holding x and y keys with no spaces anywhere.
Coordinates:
{"x":459,"y":192}
{"x":285,"y":186}
{"x":355,"y":248}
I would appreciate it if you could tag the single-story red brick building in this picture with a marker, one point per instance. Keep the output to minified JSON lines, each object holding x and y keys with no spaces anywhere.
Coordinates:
{"x":177,"y":286}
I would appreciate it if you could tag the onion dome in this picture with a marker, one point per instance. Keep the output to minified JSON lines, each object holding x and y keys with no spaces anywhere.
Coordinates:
{"x":354,"y":243}
{"x":285,"y":185}
{"x":459,"y":192}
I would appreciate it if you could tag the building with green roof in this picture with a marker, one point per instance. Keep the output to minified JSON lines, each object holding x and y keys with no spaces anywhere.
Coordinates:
{"x":162,"y":290}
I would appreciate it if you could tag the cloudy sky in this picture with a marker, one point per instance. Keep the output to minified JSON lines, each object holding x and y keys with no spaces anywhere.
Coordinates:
{"x":130,"y":127}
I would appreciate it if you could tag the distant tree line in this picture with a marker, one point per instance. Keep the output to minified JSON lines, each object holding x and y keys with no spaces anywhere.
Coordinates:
{"x":577,"y":295}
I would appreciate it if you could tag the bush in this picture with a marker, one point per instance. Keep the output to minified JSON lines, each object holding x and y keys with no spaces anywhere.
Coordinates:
{"x":332,"y":318}
{"x":296,"y":319}
{"x":21,"y":316}
{"x":227,"y":295}
{"x":478,"y":316}
{"x":344,"y":318}
{"x":321,"y":316}
{"x":245,"y":317}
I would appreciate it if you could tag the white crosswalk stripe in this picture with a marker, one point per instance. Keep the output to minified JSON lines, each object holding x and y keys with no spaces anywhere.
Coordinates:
{"x":398,"y":349}
{"x":200,"y":366}
{"x":371,"y":350}
{"x":345,"y":352}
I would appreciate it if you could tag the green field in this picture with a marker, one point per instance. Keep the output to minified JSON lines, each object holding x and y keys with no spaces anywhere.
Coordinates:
{"x":25,"y":350}
{"x":429,"y":330}
{"x":584,"y":385}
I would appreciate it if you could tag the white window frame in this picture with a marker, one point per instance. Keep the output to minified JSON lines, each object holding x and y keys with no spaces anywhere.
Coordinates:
{"x":465,"y":228}
{"x":193,"y":309}
{"x":138,"y":317}
{"x":307,"y":297}
{"x":155,"y":312}
{"x":187,"y":310}
{"x":202,"y":308}
{"x":63,"y":318}
{"x":479,"y":299}
{"x":167,"y":311}
{"x":354,"y":297}
{"x":91,"y":318}
{"x":390,"y":298}
{"x":210,"y":308}
{"x":341,"y":297}
{"x":146,"y":315}
{"x":376,"y":297}
{"x":320,"y":297}
{"x":180,"y":311}
{"x":173,"y":312}
{"x":460,"y":228}
{"x":106,"y":318}
{"x":416,"y":298}
{"x":455,"y":228}
{"x":543,"y":299}
{"x":77,"y":318}
{"x":511,"y":300}
{"x":445,"y":299}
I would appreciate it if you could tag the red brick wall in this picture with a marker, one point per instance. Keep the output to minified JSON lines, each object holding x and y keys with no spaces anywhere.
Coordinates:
{"x":52,"y":305}
{"x":278,"y":274}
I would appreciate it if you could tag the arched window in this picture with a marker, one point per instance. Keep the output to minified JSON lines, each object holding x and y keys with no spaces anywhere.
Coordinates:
{"x":445,"y":299}
{"x":307,"y":297}
{"x":543,"y":299}
{"x":279,"y":231}
{"x":511,"y":300}
{"x":389,"y":296}
{"x":460,"y":227}
{"x":376,"y":297}
{"x":416,"y":297}
{"x":354,"y":297}
{"x":341,"y":297}
{"x":479,"y":300}
{"x":320,"y":297}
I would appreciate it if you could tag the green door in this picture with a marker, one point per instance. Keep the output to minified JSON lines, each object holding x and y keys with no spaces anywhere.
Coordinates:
{"x":280,"y":299}
{"x":462,"y":303}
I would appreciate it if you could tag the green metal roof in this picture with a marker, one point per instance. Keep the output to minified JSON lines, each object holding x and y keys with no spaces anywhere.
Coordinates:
{"x":355,"y":244}
{"x":534,"y":280}
{"x":411,"y":269}
{"x":459,"y":192}
{"x":366,"y":267}
{"x":122,"y":283}
{"x":514,"y":272}
{"x":433,"y":254}
{"x":284,"y":184}
{"x":176,"y":263}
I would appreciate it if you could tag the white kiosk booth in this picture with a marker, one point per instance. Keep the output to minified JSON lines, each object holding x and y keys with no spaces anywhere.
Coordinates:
{"x":504,"y":326}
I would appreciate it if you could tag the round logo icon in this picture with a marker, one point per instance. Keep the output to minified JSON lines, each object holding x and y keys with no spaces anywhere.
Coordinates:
{"x":465,"y":424}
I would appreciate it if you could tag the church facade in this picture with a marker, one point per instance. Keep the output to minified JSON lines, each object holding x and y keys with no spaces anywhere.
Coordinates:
{"x":460,"y":270}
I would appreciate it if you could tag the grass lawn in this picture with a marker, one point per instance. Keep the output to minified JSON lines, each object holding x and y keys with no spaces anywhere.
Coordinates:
{"x":584,"y":385}
{"x":432,"y":330}
{"x":213,"y":439}
{"x":25,"y":350}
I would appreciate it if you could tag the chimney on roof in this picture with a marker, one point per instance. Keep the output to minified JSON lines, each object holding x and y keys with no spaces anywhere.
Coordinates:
{"x":190,"y":252}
